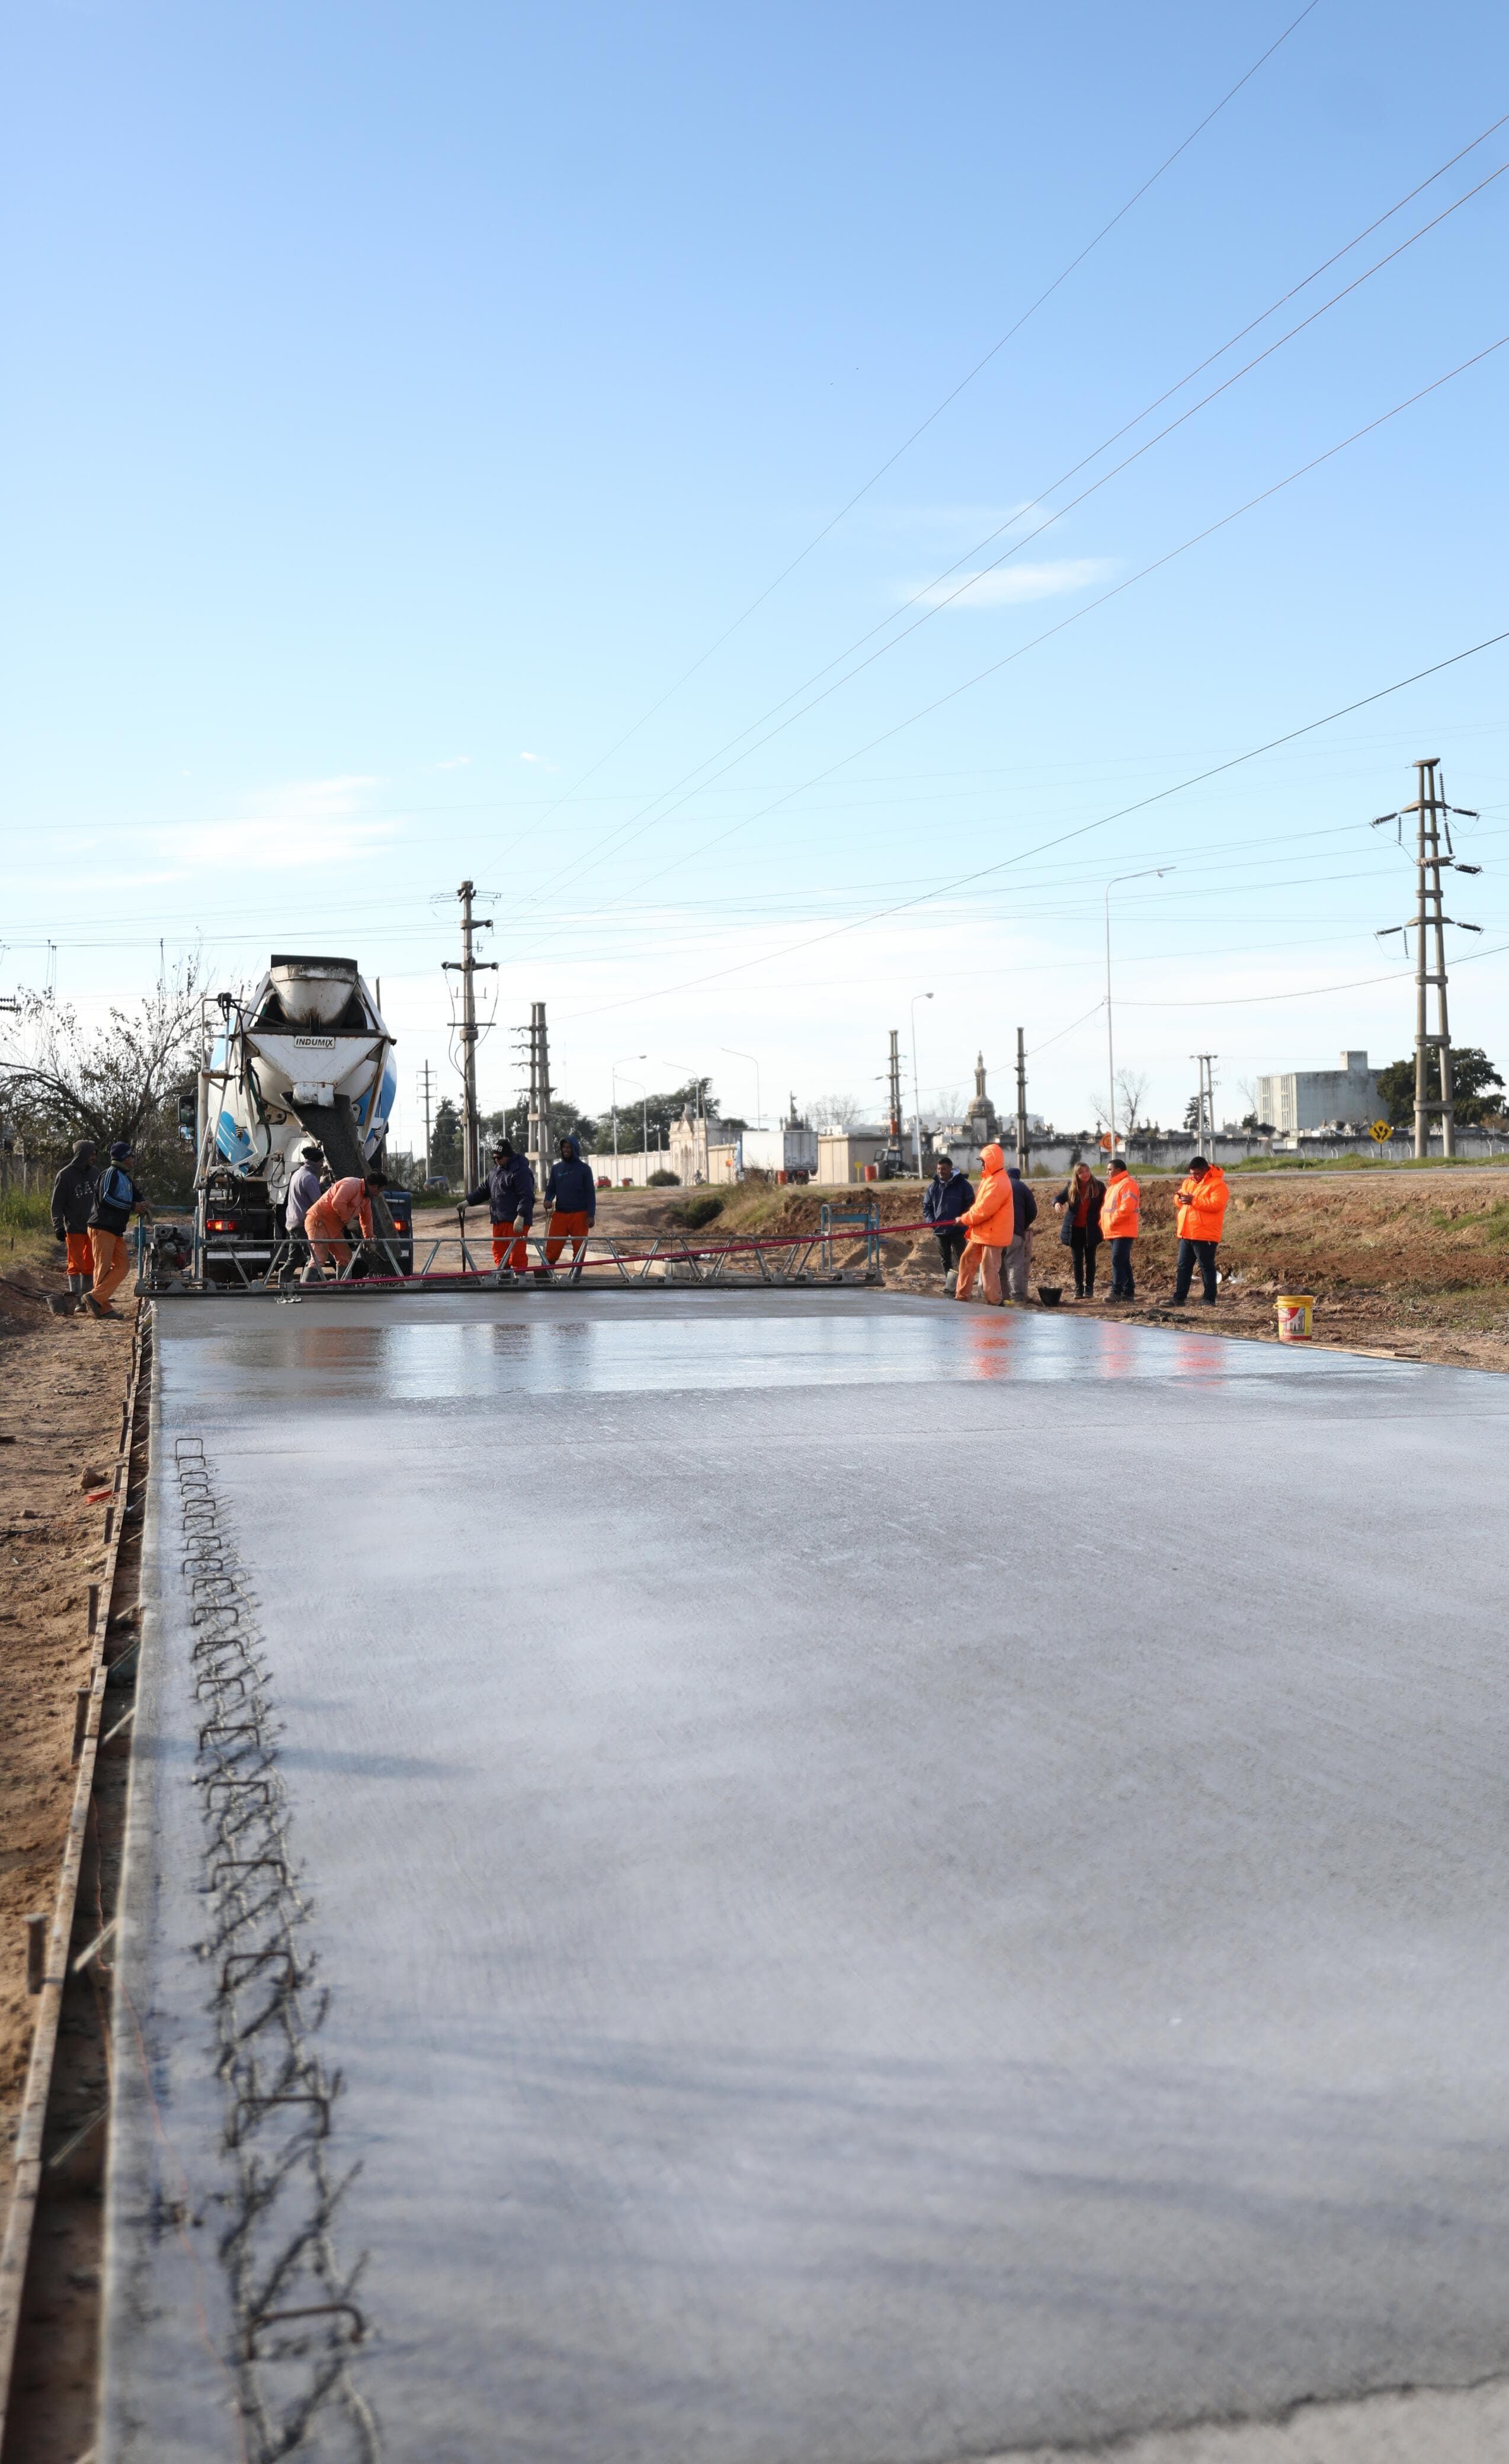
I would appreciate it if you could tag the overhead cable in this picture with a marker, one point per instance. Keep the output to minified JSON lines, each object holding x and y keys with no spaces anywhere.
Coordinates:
{"x":937,"y":412}
{"x":982,"y":872}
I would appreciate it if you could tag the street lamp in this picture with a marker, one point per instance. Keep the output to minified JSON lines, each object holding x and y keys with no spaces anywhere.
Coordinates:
{"x":916,"y":1101}
{"x":1151,"y":872}
{"x":755,"y":1066}
{"x":633,"y":1081}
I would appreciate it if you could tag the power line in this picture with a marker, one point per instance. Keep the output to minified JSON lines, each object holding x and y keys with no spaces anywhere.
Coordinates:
{"x":623,"y":833}
{"x":1079,"y":615}
{"x":982,"y":872}
{"x":937,"y":412}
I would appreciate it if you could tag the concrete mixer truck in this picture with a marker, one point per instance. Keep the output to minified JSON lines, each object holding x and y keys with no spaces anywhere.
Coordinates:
{"x":307,"y":1058}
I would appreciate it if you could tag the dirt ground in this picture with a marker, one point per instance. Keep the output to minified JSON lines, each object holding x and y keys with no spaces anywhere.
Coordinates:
{"x":1416,"y":1264}
{"x":62,"y":1383}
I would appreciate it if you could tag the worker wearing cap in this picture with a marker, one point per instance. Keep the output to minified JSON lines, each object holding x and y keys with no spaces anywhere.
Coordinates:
{"x":73,"y":1202}
{"x":570,"y":1193}
{"x":346,"y":1207}
{"x":1199,"y":1216}
{"x":109,"y":1217}
{"x":509,"y":1195}
{"x":989,"y":1227}
{"x":304,"y":1188}
{"x":1121,"y":1223}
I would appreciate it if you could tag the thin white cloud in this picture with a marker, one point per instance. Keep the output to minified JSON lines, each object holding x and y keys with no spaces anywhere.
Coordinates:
{"x":457,"y":761}
{"x":1015,"y":582}
{"x":539,"y":757}
{"x":304,"y":824}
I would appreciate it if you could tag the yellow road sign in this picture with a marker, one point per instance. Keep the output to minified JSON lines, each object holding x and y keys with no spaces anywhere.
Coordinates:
{"x":1382,"y":1131}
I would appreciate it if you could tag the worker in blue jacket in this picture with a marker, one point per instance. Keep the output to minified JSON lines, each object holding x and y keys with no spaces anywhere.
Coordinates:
{"x":948,"y":1196}
{"x":570,"y":1193}
{"x":509,"y":1193}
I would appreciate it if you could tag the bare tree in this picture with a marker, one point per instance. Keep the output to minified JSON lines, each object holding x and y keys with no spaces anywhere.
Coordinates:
{"x":62,"y":1079}
{"x":1131,"y":1086}
{"x":835,"y":1111}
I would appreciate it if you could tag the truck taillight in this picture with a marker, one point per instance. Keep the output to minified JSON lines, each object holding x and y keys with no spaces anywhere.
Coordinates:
{"x":220,"y":1223}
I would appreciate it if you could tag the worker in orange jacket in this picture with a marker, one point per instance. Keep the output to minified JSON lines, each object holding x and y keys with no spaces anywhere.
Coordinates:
{"x":346,"y":1204}
{"x":1121,"y":1222}
{"x":989,"y":1227}
{"x":1199,"y":1213}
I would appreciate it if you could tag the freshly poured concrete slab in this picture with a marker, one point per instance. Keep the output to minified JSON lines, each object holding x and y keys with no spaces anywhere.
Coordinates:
{"x":896,"y":1882}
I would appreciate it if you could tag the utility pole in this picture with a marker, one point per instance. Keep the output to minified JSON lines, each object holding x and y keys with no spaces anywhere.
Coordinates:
{"x":537,"y":1136}
{"x":917,"y":1094}
{"x":469,"y":968}
{"x":424,"y":1086}
{"x":1205,"y":1105}
{"x":896,"y":1090}
{"x":1021,"y":1101}
{"x":1432,"y":811}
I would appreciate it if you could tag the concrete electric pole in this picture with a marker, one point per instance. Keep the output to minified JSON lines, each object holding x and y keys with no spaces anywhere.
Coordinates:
{"x":1430,"y":810}
{"x":469,"y":968}
{"x":424,"y":1084}
{"x":1205,"y":1105}
{"x":538,"y":1115}
{"x":1021,"y":1101}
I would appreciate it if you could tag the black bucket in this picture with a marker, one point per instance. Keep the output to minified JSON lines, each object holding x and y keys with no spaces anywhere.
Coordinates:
{"x":1050,"y":1295}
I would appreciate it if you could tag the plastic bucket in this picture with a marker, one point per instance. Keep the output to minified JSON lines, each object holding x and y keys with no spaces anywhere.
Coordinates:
{"x":1295,"y":1310}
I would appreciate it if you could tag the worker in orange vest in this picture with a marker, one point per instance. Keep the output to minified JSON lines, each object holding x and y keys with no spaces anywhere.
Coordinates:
{"x":989,"y":1227}
{"x":1199,"y":1213}
{"x":1121,"y":1222}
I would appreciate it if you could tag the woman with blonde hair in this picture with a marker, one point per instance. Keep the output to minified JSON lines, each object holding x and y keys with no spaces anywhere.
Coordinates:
{"x":1078,"y":1207}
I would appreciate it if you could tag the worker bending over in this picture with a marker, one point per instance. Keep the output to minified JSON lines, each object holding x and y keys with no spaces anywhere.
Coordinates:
{"x":73,"y":1203}
{"x":509,"y":1194}
{"x":345,"y":1208}
{"x":108,"y":1219}
{"x":570,"y":1193}
{"x":989,"y":1227}
{"x":1121,"y":1223}
{"x":1199,"y":1214}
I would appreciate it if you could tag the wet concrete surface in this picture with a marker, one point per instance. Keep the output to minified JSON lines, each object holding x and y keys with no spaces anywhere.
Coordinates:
{"x":896,"y":1881}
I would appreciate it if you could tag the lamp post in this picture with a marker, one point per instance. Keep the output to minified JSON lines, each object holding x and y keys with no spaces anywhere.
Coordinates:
{"x":755,"y":1066}
{"x":1150,"y":872}
{"x":633,"y":1081}
{"x":916,"y":1100}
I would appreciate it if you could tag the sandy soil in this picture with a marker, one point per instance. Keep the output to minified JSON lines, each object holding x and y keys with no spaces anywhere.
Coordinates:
{"x":62,"y":1383}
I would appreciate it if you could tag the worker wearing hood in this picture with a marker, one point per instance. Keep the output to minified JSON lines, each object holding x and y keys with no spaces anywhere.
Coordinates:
{"x":570,"y":1193}
{"x":1199,"y":1219}
{"x":508,"y":1194}
{"x":73,"y":1202}
{"x":990,"y":1224}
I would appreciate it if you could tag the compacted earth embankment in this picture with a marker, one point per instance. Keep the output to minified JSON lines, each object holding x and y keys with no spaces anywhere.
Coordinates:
{"x":61,"y":1383}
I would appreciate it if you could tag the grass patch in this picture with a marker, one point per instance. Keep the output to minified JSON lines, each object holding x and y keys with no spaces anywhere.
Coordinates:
{"x":23,"y":1210}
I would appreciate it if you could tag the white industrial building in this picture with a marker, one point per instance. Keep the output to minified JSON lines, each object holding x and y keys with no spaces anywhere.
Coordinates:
{"x":1316,"y":1099}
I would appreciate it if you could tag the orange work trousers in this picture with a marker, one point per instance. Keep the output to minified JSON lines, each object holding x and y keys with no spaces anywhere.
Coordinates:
{"x":509,"y":1249}
{"x":111,"y":1260}
{"x":979,"y":1259}
{"x":329,"y":1253}
{"x":567,"y":1224}
{"x":81,"y":1254}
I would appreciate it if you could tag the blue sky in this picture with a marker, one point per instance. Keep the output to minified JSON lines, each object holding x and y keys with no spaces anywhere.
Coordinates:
{"x":404,"y":404}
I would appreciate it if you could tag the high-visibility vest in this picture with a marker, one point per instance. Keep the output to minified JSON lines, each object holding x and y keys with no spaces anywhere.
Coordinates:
{"x":991,"y":1220}
{"x":1201,"y":1208}
{"x":1121,"y":1208}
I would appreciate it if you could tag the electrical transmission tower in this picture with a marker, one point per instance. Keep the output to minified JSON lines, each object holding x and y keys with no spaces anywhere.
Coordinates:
{"x":424,"y":1087}
{"x":1429,"y":924}
{"x":469,"y":968}
{"x":536,"y":1040}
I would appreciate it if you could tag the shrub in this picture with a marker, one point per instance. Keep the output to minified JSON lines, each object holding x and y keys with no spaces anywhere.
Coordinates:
{"x":697,"y":1212}
{"x":665,"y":1180}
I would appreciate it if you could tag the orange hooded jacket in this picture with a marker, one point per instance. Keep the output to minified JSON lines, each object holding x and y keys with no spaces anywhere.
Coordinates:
{"x":1200,"y":1208}
{"x":991,"y":1221}
{"x":1121,"y":1208}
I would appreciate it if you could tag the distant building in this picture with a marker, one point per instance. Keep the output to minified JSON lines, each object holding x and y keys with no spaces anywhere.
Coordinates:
{"x":791,"y":1148}
{"x":1315,"y":1099}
